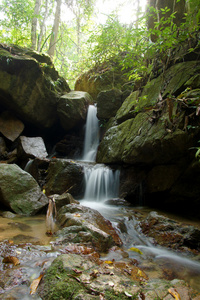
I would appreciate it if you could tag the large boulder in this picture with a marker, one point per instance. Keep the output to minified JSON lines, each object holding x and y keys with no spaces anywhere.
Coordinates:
{"x":72,"y":109}
{"x":29,"y":85}
{"x":19,"y":191}
{"x":103,"y":77}
{"x":32,"y":147}
{"x":87,"y":226}
{"x":64,"y":175}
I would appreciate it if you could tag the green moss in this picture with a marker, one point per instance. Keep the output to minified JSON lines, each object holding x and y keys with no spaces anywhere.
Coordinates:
{"x":111,"y":295}
{"x":59,"y":284}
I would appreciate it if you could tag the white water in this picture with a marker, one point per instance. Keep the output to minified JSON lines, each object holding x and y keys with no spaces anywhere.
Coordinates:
{"x":91,"y":140}
{"x":101,"y":182}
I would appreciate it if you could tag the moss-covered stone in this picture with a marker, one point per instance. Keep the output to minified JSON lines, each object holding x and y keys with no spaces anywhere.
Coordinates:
{"x":30,"y":85}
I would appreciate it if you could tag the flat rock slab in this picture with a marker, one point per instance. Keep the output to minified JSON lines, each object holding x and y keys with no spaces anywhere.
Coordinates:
{"x":32,"y":147}
{"x":10,"y":126}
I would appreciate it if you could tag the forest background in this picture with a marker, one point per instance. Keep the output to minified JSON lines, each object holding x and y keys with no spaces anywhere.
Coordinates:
{"x":82,"y":34}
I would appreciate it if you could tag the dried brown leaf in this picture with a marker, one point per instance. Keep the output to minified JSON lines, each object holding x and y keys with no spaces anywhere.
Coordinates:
{"x":11,"y":260}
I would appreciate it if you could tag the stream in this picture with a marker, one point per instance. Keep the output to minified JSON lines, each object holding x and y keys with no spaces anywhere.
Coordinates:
{"x":25,"y":237}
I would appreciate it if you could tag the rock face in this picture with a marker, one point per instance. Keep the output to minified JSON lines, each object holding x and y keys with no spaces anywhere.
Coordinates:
{"x":19,"y":191}
{"x":72,"y":108}
{"x":108,"y":102}
{"x":29,"y":85}
{"x":158,"y":130}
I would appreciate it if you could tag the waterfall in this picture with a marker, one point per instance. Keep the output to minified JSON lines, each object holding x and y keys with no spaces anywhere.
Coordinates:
{"x":102,"y":183}
{"x":91,"y":141}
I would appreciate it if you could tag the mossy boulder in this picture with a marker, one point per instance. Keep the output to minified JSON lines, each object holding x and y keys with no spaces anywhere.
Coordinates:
{"x":19,"y":191}
{"x":139,"y":141}
{"x":29,"y":85}
{"x":103,"y":77}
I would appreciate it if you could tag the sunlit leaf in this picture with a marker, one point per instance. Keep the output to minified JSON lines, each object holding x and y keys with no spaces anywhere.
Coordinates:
{"x":34,"y":284}
{"x":174,"y":293}
{"x":135,"y":250}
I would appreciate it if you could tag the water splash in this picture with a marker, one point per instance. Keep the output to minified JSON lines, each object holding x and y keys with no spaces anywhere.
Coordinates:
{"x":91,"y":141}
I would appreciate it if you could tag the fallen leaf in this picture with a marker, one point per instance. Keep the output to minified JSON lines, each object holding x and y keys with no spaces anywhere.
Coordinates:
{"x":174,"y":293}
{"x":34,"y":284}
{"x":109,"y":262}
{"x":135,"y":250}
{"x":11,"y":260}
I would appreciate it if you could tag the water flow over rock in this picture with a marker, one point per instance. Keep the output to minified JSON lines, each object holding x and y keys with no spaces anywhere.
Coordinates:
{"x":91,"y":141}
{"x":102,"y":183}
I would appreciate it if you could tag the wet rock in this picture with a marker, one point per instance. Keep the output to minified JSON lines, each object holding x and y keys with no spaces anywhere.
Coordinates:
{"x":84,"y":224}
{"x":64,"y":199}
{"x":81,"y":277}
{"x":64,"y":175}
{"x":10,"y":126}
{"x":117,"y":202}
{"x":170,"y":233}
{"x":8,"y":215}
{"x":30,"y":85}
{"x":19,"y":191}
{"x":72,"y":109}
{"x":31,"y":147}
{"x":108,"y":102}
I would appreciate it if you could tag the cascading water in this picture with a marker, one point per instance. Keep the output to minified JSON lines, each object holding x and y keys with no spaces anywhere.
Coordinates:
{"x":101,"y":183}
{"x":91,"y":141}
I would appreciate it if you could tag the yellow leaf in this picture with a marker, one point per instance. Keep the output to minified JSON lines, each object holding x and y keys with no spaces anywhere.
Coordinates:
{"x":109,"y":262}
{"x":174,"y":293}
{"x":44,"y":191}
{"x":135,"y":250}
{"x":34,"y":284}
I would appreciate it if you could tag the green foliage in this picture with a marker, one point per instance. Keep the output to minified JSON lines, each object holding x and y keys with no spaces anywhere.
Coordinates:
{"x":15,"y":26}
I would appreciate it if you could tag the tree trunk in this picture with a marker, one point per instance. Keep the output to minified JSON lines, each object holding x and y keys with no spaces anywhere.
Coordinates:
{"x":54,"y":34}
{"x":43,"y":25}
{"x":34,"y":24}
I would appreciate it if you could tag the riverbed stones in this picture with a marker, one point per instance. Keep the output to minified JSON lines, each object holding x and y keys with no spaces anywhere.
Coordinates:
{"x":19,"y":191}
